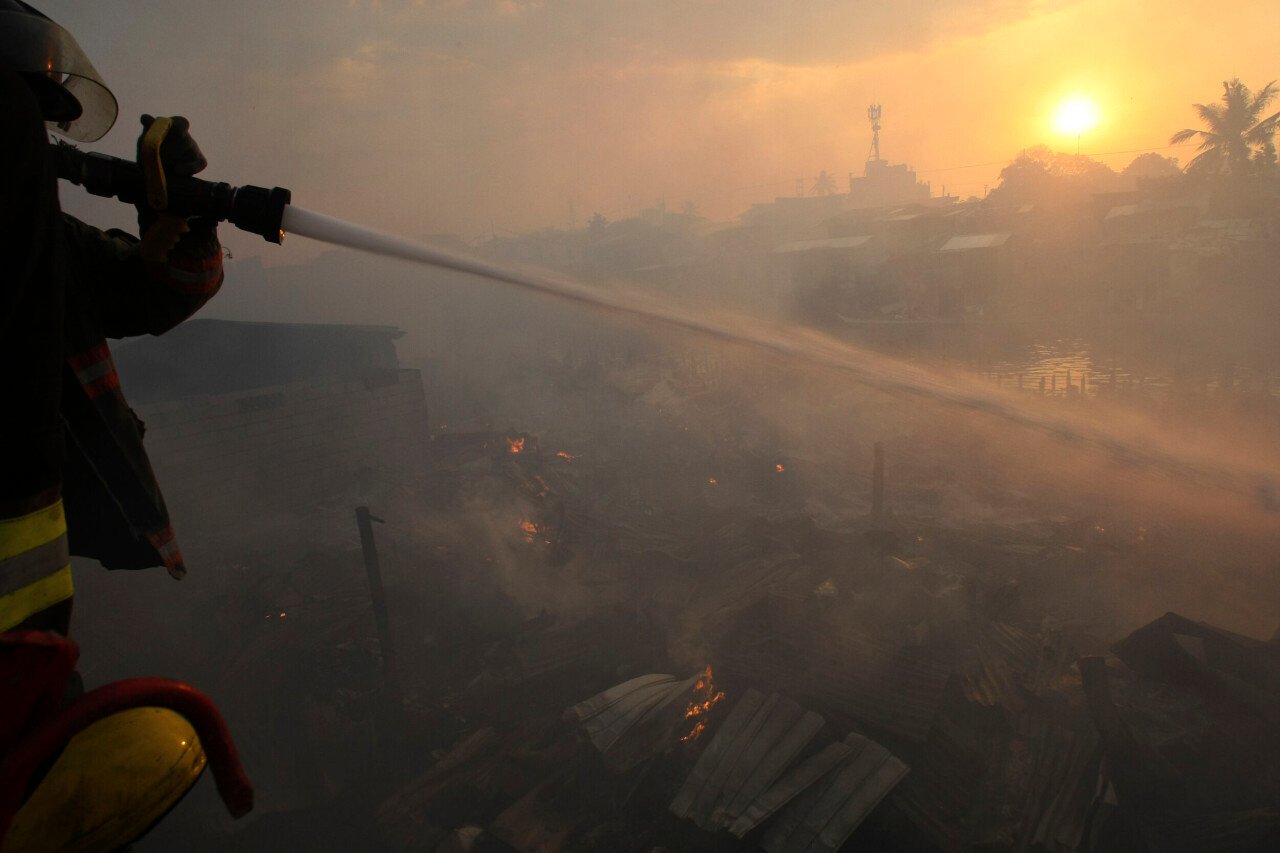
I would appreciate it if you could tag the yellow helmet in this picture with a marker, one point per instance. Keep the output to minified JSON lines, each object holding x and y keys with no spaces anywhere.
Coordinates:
{"x":110,"y":785}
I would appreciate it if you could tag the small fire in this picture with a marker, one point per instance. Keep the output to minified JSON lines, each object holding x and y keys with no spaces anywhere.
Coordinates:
{"x":779,"y":468}
{"x":515,"y":445}
{"x":713,"y":481}
{"x":698,"y":729}
{"x":568,"y":457}
{"x":705,"y":697}
{"x":532,"y":533}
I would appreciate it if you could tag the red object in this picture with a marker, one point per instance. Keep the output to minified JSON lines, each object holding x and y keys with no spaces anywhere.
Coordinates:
{"x":34,"y":666}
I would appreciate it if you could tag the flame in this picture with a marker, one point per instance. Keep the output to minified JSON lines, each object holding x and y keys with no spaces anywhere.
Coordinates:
{"x":713,"y":481}
{"x":705,"y":697}
{"x":532,"y":533}
{"x":779,"y":468}
{"x":566,"y":456}
{"x":698,"y":729}
{"x":515,"y":445}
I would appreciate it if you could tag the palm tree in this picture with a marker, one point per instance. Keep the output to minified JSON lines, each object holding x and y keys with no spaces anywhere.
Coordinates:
{"x":824,"y":184}
{"x":1236,"y":134}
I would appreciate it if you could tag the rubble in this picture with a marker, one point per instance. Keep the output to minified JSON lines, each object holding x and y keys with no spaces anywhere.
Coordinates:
{"x":882,"y":674}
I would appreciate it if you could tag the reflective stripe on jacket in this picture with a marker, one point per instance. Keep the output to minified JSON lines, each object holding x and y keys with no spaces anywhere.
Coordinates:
{"x":35,"y":564}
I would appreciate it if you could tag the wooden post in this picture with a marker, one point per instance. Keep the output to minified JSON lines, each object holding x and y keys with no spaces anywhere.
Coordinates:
{"x":877,"y":483}
{"x":390,"y":678}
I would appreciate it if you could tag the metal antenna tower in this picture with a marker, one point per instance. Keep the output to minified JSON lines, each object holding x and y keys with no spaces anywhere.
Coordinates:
{"x":873,"y":114}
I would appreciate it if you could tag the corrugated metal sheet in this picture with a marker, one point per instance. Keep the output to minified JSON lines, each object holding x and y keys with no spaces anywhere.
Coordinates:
{"x":1064,"y":785}
{"x":610,"y":716}
{"x":755,"y":745}
{"x":831,"y":243}
{"x":749,"y":772}
{"x":1009,"y":663}
{"x":825,"y":815}
{"x":897,"y":692}
{"x":894,"y":691}
{"x":968,"y":242}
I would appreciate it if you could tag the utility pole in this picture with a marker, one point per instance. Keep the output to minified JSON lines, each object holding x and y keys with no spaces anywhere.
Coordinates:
{"x":877,"y":483}
{"x":390,"y":677}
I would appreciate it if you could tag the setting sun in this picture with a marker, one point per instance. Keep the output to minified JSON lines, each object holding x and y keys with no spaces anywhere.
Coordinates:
{"x":1075,"y":115}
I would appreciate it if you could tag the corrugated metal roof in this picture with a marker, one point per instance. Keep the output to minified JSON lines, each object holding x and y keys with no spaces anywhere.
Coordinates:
{"x":827,"y":813}
{"x":831,"y":243}
{"x":613,"y":715}
{"x":749,"y":772}
{"x":894,"y":691}
{"x":968,"y":242}
{"x":1064,"y":785}
{"x":749,"y":752}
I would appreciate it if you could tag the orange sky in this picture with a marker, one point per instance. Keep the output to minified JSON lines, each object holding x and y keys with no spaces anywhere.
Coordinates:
{"x":466,"y":116}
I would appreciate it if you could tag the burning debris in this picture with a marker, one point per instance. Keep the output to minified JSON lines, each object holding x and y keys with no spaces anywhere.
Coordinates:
{"x":706,"y":697}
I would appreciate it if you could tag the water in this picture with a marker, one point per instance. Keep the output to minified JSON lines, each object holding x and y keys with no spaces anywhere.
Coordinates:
{"x":1242,"y":473}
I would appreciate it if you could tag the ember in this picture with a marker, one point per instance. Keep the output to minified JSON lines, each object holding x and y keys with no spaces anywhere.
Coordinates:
{"x":706,"y":697}
{"x":779,"y":468}
{"x":566,"y":456}
{"x":515,"y":445}
{"x":532,"y":533}
{"x":712,"y":481}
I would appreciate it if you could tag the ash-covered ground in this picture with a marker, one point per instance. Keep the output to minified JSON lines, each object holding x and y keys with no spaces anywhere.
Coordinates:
{"x":600,"y":508}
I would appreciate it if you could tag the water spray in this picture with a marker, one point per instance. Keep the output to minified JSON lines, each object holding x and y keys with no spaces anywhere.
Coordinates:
{"x":270,"y":213}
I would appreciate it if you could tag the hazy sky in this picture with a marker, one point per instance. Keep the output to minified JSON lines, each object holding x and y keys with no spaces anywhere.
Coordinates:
{"x":463,"y":116}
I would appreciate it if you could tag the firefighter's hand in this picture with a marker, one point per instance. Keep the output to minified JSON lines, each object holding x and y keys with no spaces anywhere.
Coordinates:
{"x":166,"y":152}
{"x":179,"y":154}
{"x":161,"y":236}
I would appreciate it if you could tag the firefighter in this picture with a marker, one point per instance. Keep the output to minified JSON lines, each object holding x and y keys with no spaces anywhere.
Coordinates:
{"x":74,"y":478}
{"x":70,"y":446}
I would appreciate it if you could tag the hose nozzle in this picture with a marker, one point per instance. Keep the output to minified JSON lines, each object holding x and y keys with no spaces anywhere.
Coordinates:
{"x":257,"y":210}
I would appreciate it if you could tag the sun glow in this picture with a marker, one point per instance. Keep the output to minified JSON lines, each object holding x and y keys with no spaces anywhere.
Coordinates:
{"x":1075,"y":116}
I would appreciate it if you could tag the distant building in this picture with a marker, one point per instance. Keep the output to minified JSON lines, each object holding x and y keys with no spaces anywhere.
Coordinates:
{"x":249,"y":423}
{"x":882,"y":185}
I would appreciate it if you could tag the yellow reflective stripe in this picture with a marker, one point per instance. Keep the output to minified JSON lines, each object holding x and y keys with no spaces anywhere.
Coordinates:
{"x":19,"y":605}
{"x":31,"y":530}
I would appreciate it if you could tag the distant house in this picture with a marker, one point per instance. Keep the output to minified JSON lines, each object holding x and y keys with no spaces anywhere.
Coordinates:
{"x":835,"y":274}
{"x":965,"y":274}
{"x":247,"y":422}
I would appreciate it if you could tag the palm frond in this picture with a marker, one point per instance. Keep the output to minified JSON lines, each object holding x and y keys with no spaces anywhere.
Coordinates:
{"x":1263,"y":130}
{"x":1185,"y":135}
{"x":1264,"y":96}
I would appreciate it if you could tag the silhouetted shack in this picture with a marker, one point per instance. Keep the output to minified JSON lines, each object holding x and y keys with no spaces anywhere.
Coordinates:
{"x":249,"y":420}
{"x":966,"y":273}
{"x":835,"y":274}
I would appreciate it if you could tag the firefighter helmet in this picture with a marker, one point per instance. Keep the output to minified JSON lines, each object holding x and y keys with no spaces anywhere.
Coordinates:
{"x":74,"y":100}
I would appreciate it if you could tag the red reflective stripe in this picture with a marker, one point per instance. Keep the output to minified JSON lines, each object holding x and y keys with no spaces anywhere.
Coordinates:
{"x":102,"y":385}
{"x":196,"y":276}
{"x":95,"y":370}
{"x":166,"y":545}
{"x":90,"y":357}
